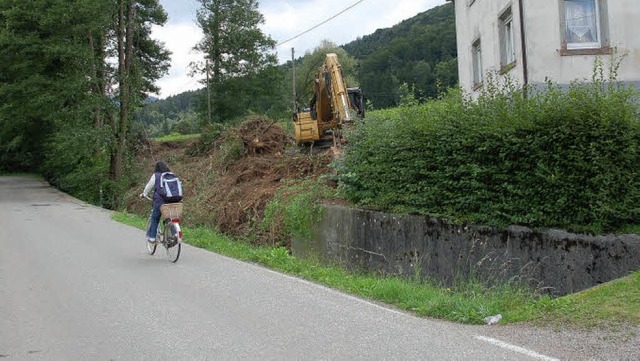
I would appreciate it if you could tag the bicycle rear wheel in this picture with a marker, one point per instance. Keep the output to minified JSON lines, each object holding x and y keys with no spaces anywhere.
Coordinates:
{"x":171,"y":243}
{"x":151,"y":247}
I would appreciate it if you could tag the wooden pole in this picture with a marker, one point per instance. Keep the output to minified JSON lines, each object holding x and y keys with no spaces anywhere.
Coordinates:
{"x":208,"y":94}
{"x":293,"y":64}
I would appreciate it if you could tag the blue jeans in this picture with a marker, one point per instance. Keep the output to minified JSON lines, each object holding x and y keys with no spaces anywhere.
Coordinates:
{"x":155,"y":221}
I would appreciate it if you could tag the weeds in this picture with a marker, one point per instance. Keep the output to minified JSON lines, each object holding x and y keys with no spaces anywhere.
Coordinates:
{"x":295,"y":209}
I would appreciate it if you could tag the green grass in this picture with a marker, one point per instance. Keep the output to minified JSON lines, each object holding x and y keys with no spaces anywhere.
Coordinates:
{"x":467,"y":302}
{"x":629,"y":229}
{"x":175,"y":137}
{"x":613,"y":303}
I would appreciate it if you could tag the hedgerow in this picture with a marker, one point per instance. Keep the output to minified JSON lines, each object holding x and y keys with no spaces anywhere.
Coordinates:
{"x":552,"y":157}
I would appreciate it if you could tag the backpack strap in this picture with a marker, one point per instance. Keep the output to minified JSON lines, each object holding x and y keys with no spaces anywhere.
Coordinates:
{"x":162,"y":175}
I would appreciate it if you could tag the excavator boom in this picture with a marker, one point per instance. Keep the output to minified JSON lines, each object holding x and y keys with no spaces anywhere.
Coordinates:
{"x":333,"y":104}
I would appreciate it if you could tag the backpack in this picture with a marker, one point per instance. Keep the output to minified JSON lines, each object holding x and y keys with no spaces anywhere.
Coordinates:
{"x":170,"y":188}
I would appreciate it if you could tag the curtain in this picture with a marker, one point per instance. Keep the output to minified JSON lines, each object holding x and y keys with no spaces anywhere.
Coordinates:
{"x":581,"y":20}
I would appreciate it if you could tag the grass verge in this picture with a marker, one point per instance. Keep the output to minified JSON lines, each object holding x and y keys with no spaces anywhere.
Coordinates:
{"x":469,"y":302}
{"x":613,"y":303}
{"x":175,"y":137}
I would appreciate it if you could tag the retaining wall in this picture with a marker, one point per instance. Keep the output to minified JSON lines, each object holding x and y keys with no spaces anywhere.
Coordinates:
{"x":554,"y":261}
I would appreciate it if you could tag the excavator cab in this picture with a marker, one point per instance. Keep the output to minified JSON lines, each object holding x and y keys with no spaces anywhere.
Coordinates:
{"x":357,"y":100}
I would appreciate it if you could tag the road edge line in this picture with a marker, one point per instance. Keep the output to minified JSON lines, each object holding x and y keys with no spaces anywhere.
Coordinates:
{"x":515,"y":348}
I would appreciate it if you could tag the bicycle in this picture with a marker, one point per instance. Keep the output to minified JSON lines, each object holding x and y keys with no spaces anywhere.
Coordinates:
{"x":169,"y":234}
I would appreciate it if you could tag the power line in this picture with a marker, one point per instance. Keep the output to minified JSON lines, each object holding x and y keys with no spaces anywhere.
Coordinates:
{"x":322,"y":23}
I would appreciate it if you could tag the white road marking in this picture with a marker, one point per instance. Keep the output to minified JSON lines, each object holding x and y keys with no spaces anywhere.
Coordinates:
{"x":515,"y":348}
{"x":493,"y":341}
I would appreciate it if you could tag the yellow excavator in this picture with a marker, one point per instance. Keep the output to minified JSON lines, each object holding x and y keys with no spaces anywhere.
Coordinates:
{"x":332,"y":107}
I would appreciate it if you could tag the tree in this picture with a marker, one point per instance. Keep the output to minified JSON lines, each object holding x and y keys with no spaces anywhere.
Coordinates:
{"x":307,"y":68}
{"x":233,"y":45}
{"x":261,"y":93}
{"x":46,"y":73}
{"x":379,"y":83}
{"x":64,"y":106}
{"x":141,"y":60}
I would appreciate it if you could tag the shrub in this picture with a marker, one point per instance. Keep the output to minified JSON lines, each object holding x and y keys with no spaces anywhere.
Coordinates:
{"x":295,"y":209}
{"x":553,"y":158}
{"x":210,"y":133}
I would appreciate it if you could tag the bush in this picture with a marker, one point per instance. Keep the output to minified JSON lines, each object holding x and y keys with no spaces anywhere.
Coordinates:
{"x":554,"y":158}
{"x":295,"y":209}
{"x":210,"y":133}
{"x":183,"y":127}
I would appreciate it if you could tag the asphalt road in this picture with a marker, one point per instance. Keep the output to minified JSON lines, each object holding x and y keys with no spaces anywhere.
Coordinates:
{"x":75,"y":285}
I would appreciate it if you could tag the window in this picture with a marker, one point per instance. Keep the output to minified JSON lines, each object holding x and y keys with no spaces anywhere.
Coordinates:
{"x":584,"y":27}
{"x":582,"y":24}
{"x":507,"y":49}
{"x":476,"y":53}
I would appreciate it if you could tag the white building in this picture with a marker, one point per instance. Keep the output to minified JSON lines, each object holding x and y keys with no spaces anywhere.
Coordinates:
{"x":531,"y":40}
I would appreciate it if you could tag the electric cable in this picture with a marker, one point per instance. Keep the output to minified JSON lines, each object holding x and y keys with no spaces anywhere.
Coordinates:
{"x":320,"y":24}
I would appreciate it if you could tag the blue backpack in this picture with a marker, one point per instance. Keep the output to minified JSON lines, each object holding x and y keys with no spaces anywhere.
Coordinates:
{"x":170,"y":188}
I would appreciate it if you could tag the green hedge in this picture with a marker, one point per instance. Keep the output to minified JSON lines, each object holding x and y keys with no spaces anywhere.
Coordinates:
{"x":555,"y":158}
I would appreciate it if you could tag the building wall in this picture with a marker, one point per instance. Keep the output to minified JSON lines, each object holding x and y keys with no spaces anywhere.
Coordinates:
{"x":543,"y":51}
{"x":481,"y":20}
{"x":544,"y":40}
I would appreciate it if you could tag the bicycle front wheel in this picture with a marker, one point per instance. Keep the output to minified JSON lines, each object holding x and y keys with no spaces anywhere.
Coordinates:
{"x":172,"y":243}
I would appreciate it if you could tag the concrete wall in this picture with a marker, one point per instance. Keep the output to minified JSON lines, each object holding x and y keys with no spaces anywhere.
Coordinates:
{"x":553,"y":261}
{"x":543,"y":40}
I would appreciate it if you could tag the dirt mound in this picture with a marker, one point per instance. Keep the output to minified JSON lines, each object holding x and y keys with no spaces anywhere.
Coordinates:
{"x":260,"y":136}
{"x":230,"y":185}
{"x":245,"y":189}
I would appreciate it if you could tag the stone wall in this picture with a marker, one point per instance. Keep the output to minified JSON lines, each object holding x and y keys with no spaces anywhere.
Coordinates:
{"x":553,"y":261}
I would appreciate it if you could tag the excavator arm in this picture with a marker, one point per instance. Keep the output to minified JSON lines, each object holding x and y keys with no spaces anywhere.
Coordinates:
{"x":331,"y":106}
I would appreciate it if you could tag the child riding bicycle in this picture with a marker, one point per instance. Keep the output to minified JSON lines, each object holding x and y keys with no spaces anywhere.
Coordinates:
{"x":167,"y":188}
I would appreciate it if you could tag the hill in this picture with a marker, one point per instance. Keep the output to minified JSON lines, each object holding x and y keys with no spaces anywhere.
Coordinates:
{"x":368,"y":45}
{"x":419,"y":52}
{"x":162,"y":116}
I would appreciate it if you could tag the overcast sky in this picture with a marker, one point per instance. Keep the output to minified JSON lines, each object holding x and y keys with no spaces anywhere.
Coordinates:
{"x":284,"y":19}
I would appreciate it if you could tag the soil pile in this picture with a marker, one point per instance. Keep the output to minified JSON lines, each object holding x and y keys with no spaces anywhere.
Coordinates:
{"x":230,"y":184}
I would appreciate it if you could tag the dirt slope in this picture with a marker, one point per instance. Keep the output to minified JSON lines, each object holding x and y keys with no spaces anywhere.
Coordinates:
{"x":229,"y":182}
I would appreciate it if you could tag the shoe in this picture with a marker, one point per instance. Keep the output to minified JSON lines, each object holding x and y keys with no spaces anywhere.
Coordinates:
{"x":151,"y":240}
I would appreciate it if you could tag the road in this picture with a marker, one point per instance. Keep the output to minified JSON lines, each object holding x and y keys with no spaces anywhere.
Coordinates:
{"x":75,"y":285}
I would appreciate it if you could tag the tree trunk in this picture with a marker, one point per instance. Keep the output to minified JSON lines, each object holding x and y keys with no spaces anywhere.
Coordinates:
{"x":98,"y":86}
{"x":125,"y":54}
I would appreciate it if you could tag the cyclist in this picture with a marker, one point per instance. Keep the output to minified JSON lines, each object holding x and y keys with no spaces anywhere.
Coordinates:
{"x":154,"y":184}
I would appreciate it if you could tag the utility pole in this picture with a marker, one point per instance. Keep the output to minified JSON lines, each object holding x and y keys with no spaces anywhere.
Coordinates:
{"x":208,"y":94}
{"x":293,"y":64}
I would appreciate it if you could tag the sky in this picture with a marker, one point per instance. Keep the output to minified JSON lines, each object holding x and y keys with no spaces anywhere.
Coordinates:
{"x":284,"y":19}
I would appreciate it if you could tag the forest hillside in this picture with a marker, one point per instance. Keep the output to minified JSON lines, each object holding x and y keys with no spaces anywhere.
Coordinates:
{"x":417,"y":55}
